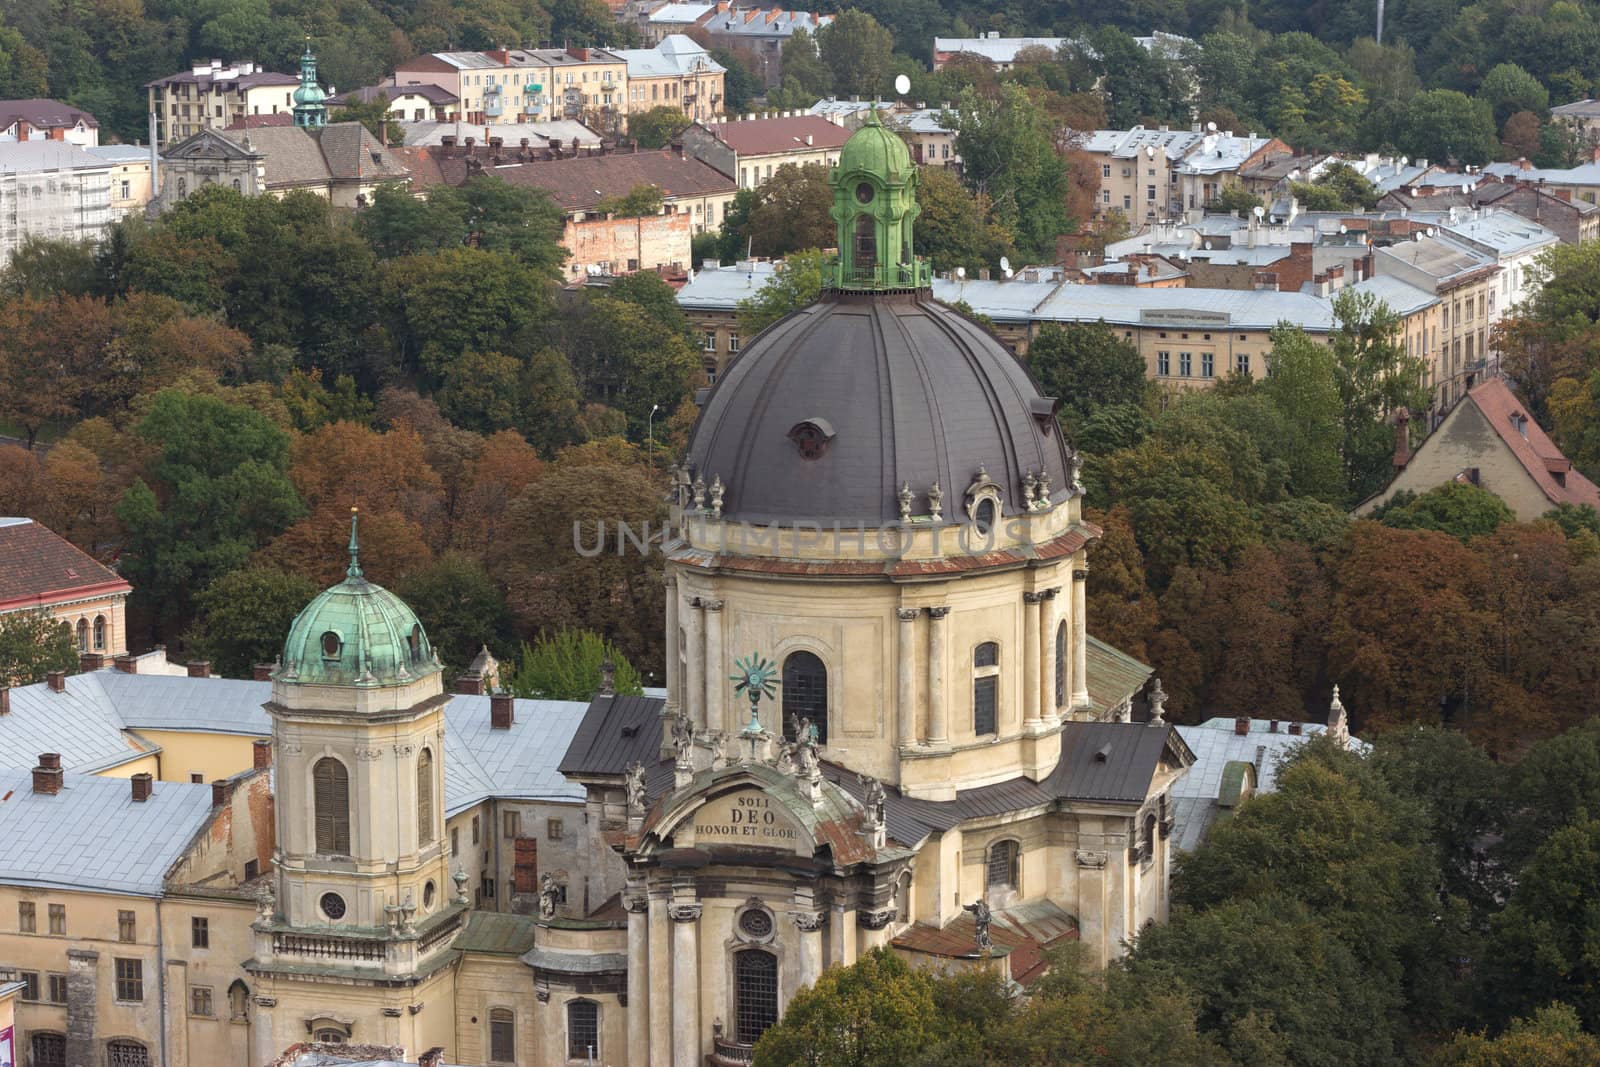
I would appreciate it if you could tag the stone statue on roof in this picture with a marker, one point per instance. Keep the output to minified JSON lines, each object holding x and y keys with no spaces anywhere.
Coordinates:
{"x":633,"y":783}
{"x":981,"y":917}
{"x":873,"y":798}
{"x":548,"y":892}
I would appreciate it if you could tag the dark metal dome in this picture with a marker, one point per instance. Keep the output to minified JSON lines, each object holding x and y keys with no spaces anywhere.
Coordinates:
{"x":831,"y":411}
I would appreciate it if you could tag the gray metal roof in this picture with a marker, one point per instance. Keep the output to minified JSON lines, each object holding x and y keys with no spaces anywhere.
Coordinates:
{"x":521,"y":762}
{"x":201,"y":705}
{"x":722,"y":288}
{"x":1112,"y":761}
{"x":914,"y":393}
{"x":80,"y":723}
{"x":614,"y":732}
{"x":674,"y":55}
{"x":29,"y":156}
{"x":1401,"y":297}
{"x":92,"y":835}
{"x":1129,"y":305}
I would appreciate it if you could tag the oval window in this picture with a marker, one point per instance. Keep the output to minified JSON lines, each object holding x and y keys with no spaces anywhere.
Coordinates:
{"x":332,"y":905}
{"x":330,"y":645}
{"x":983,"y":516}
{"x":427,"y":897}
{"x":864,"y":193}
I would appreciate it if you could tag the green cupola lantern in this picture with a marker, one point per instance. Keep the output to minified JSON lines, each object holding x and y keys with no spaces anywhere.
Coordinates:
{"x":310,"y":102}
{"x":875,"y":204}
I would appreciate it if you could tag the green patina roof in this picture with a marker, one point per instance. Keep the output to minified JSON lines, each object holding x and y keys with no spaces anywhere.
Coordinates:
{"x":357,"y":634}
{"x":876,"y":149}
{"x":1114,"y":676}
{"x":497,"y":932}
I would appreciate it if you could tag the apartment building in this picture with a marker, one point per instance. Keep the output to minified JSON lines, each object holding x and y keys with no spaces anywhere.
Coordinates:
{"x":414,"y":102}
{"x":47,"y":120}
{"x":132,"y":175}
{"x":677,"y":73}
{"x":749,"y":150}
{"x":1214,"y":162}
{"x":211,"y":95}
{"x":1138,"y":174}
{"x":53,"y":190}
{"x":1466,"y":282}
{"x":759,"y":34}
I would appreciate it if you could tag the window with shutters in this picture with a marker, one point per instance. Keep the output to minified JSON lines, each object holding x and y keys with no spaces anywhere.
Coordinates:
{"x":58,"y":919}
{"x":58,"y":989}
{"x":583,"y":1030}
{"x":130,"y":979}
{"x":525,"y":871}
{"x":49,"y":1050}
{"x":805,"y":694}
{"x":502,"y":1036}
{"x":985,"y":688}
{"x":425,"y":819}
{"x":331,"y":786}
{"x":1061,"y":664}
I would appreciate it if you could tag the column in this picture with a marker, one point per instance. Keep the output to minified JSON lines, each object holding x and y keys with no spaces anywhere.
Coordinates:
{"x":1080,"y":637}
{"x":906,"y":694}
{"x":674,"y":693}
{"x":685,"y":986}
{"x":695,"y":693}
{"x":810,"y":925}
{"x":714,"y":672}
{"x":263,"y":1046}
{"x":1048,"y":622}
{"x":1031,"y":602}
{"x":661,"y":976}
{"x":938,"y":714}
{"x":638,"y":977}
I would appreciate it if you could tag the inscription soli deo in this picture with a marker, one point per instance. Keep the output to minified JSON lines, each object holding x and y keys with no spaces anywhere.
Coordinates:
{"x":745,"y":818}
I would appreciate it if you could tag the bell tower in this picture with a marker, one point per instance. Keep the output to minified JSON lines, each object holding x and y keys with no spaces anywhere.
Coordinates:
{"x":310,"y":102}
{"x":875,"y":205}
{"x":364,"y":892}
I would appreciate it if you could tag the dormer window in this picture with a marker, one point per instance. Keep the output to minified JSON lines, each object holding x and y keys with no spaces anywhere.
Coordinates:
{"x":811,"y":437}
{"x":332,"y":645}
{"x":415,"y":642}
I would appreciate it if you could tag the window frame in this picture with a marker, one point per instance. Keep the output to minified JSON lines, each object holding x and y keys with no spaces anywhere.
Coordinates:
{"x":199,"y":931}
{"x":804,"y":682}
{"x":1009,"y":852}
{"x":502,"y":1017}
{"x":201,"y":1002}
{"x":986,"y":688}
{"x":128,"y":972}
{"x":330,"y":807}
{"x":574,"y":1052}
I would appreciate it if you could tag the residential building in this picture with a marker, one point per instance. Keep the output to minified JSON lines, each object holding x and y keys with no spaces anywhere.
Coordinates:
{"x":568,"y":135}
{"x":132,"y":175}
{"x":45,"y":572}
{"x":611,"y":246}
{"x":932,"y":141}
{"x":1466,"y":281}
{"x":750,"y":149}
{"x":1515,"y":242}
{"x":341,"y":162}
{"x":851,"y":114}
{"x":47,"y":120}
{"x":412,"y":102}
{"x":1138,"y":175}
{"x":1271,"y":175}
{"x":1489,"y":440}
{"x":526,"y":84}
{"x":710,"y":301}
{"x":758,"y":35}
{"x":1582,"y":116}
{"x":53,"y":190}
{"x":1214,"y":163}
{"x":210,"y":95}
{"x":1579,"y":183}
{"x":1002,"y":52}
{"x":665,"y":20}
{"x":677,"y":73}
{"x":1573,"y":221}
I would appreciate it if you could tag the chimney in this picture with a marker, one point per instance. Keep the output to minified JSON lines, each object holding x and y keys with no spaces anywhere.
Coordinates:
{"x":90,"y":661}
{"x":469,"y":685}
{"x":47,"y":776}
{"x":434,"y":1057}
{"x":261,"y":753}
{"x":1294,"y":729}
{"x":1272,"y":726}
{"x":57,"y":680}
{"x":608,"y":678}
{"x":502,"y":712}
{"x":143,"y":786}
{"x":221,"y":789}
{"x":261,"y":672}
{"x":126,"y":663}
{"x":5,"y":700}
{"x":1241,"y":725}
{"x":199,"y":668}
{"x":1402,"y":439}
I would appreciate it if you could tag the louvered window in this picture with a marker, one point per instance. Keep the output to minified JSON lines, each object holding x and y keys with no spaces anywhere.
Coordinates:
{"x":1061,"y":665}
{"x":425,"y":798}
{"x":331,"y":784}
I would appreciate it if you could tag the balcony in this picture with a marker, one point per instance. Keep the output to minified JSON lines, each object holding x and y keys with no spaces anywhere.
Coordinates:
{"x":726,"y":1053}
{"x":344,"y":949}
{"x":914,"y":275}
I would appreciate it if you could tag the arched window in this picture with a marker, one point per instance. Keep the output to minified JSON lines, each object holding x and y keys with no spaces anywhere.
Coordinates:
{"x":866,"y":244}
{"x":1001,"y":870}
{"x":99,"y":632}
{"x":755,"y":977}
{"x":502,"y":1036}
{"x":414,"y":642}
{"x":331,"y":786}
{"x":123,"y":1052}
{"x":425,"y":798}
{"x":1148,"y":845}
{"x":238,"y":1000}
{"x":329,"y":1037}
{"x":83,"y":636}
{"x":985,"y":688}
{"x":583,"y":1030}
{"x":236,"y":187}
{"x":49,"y":1050}
{"x":1061,"y":664}
{"x":805,"y":694}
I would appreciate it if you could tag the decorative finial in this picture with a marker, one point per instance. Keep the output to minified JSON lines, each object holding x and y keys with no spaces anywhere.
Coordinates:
{"x":1158,"y":704}
{"x":936,"y":502}
{"x":905,"y":502}
{"x":354,"y":570}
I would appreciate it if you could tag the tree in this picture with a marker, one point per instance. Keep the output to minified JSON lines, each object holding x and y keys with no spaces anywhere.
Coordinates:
{"x":243,"y":615}
{"x":790,"y":212}
{"x":624,"y":356}
{"x":216,"y":490}
{"x":1460,"y":510}
{"x":795,"y":285}
{"x":48,"y":355}
{"x":1553,"y":1037}
{"x":857,"y":51}
{"x":45,"y":267}
{"x":639,"y":201}
{"x":1507,"y":89}
{"x":954,"y":228}
{"x":571,"y":665}
{"x":1376,"y":378}
{"x":1088,"y":367}
{"x":463,"y":299}
{"x":1338,"y":188}
{"x":1443,"y":124}
{"x":658,"y":126}
{"x":460,"y":608}
{"x":1234,"y":199}
{"x":1008,"y":155}
{"x":1301,"y":384}
{"x":374,"y":114}
{"x":804,"y":72}
{"x":878,"y":1011}
{"x":739,"y":84}
{"x":32,"y":644}
{"x":1520,"y":135}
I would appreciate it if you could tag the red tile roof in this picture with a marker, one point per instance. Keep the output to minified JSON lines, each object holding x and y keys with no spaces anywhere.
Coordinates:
{"x":1539,"y":456}
{"x":763,"y":137}
{"x":37,"y":568}
{"x":258,"y":122}
{"x":578,"y":184}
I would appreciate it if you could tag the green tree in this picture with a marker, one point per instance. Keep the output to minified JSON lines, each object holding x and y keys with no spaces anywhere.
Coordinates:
{"x":639,"y":201}
{"x":570,"y":665}
{"x":804,"y":72}
{"x":398,"y":224}
{"x":242,"y":615}
{"x":1089,"y":368}
{"x":374,"y":115}
{"x":795,"y":285}
{"x":217,"y":491}
{"x":1007,"y":154}
{"x":625,"y":357}
{"x":658,"y":126}
{"x":857,"y":51}
{"x":1301,"y":384}
{"x":791,"y":212}
{"x":46,"y":267}
{"x":954,"y":228}
{"x":460,"y":607}
{"x":1507,"y":89}
{"x":648,"y":290}
{"x":1553,"y":1037}
{"x":441,"y":305}
{"x":1442,"y":124}
{"x":1460,"y":510}
{"x":32,"y":644}
{"x":1376,"y":378}
{"x":1338,"y":188}
{"x":1234,"y":199}
{"x":878,"y":1011}
{"x":739,"y":84}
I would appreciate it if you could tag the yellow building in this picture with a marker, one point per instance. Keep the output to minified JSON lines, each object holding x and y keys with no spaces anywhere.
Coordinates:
{"x":1466,"y":283}
{"x":676,"y":73}
{"x":48,"y":573}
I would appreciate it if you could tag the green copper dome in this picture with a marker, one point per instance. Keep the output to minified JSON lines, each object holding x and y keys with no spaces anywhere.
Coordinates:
{"x":310,"y":102}
{"x":876,"y":149}
{"x":356,"y":634}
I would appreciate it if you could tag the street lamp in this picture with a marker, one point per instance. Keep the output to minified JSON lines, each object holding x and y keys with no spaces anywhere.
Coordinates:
{"x":650,"y":432}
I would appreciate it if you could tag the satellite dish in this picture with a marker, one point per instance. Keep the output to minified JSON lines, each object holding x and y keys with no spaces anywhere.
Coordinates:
{"x":1344,"y":229}
{"x":1208,"y":245}
{"x":1431,"y":231}
{"x":1260,"y":211}
{"x":961,"y":272}
{"x":902,"y":84}
{"x":1211,"y":127}
{"x":1005,"y":265}
{"x":1150,"y":151}
{"x":1007,"y":272}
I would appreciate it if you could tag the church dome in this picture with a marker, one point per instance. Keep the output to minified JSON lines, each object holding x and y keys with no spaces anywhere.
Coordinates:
{"x":876,"y":149}
{"x":832,"y":412}
{"x":356,"y":634}
{"x":310,"y":94}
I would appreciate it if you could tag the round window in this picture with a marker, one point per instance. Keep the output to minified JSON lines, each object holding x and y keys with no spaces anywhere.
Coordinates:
{"x":756,"y":923}
{"x":427,"y":897}
{"x":864,"y":193}
{"x":330,"y":645}
{"x":332,"y":905}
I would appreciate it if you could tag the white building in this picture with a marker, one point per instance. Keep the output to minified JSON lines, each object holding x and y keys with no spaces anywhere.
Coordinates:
{"x":53,"y":190}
